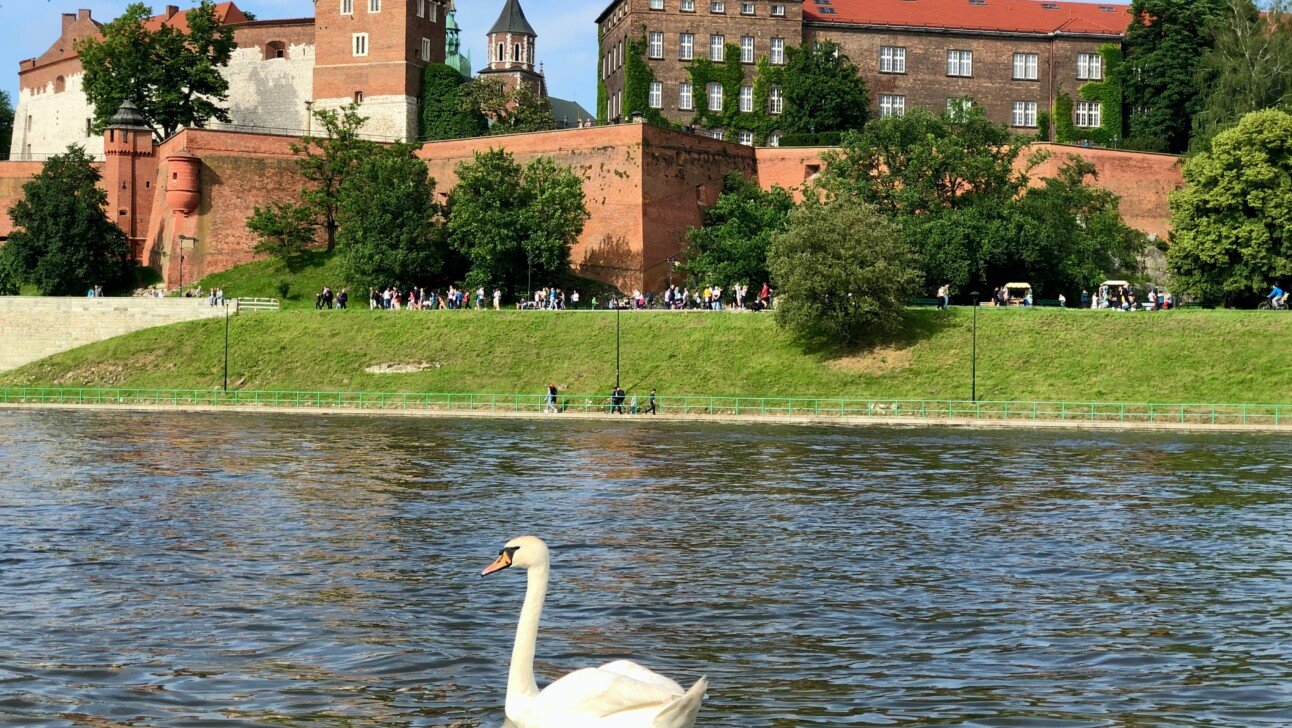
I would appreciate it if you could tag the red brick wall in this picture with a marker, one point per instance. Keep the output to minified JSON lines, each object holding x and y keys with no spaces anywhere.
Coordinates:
{"x":1143,"y":181}
{"x":13,"y":175}
{"x":789,"y":167}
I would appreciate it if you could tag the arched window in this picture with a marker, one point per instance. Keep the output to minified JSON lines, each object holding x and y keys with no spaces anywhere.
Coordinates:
{"x":60,"y":85}
{"x":515,"y":52}
{"x":501,"y":54}
{"x":275,"y":49}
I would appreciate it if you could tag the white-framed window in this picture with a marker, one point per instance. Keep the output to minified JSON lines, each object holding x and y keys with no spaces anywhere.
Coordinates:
{"x":656,"y":45}
{"x":717,"y":48}
{"x":347,"y":7}
{"x":1024,"y":114}
{"x":433,"y":6}
{"x":717,"y":6}
{"x":958,"y":107}
{"x":1025,"y":65}
{"x":358,"y":97}
{"x":892,"y":59}
{"x":656,"y":4}
{"x":687,"y":6}
{"x":656,"y":95}
{"x":891,"y":106}
{"x":374,"y":6}
{"x":746,"y":8}
{"x":686,"y":46}
{"x":1089,"y":114}
{"x":685,"y":101}
{"x":960,"y":63}
{"x":778,"y":52}
{"x":778,"y":11}
{"x":716,"y":134}
{"x":426,"y":49}
{"x":421,"y":8}
{"x":746,"y":99}
{"x":360,"y":45}
{"x":715,"y":96}
{"x":774,"y":139}
{"x":745,"y":137}
{"x":1090,"y":67}
{"x":747,"y":49}
{"x":775,"y":100}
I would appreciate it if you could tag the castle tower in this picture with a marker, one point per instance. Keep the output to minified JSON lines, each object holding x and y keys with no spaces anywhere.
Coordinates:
{"x":372,"y":52}
{"x":513,"y":50}
{"x":128,"y":171}
{"x":453,"y":56}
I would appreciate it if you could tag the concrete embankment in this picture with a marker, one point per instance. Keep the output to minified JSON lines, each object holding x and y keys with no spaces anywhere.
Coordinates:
{"x":34,"y":327}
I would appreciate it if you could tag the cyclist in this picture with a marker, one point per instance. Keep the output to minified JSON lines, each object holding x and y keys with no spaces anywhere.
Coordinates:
{"x":1278,"y":299}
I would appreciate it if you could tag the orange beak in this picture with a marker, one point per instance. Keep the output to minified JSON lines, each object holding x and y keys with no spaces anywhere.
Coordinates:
{"x":500,"y":563}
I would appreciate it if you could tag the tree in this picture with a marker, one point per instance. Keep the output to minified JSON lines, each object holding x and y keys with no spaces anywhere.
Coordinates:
{"x":823,"y":90}
{"x":6,"y":124}
{"x":172,"y":77}
{"x":285,"y":230}
{"x":327,"y":161}
{"x":843,"y":273}
{"x":63,"y":242}
{"x":446,"y":113}
{"x":392,"y":230}
{"x":512,"y":222}
{"x":1249,"y":68}
{"x":1233,"y":221}
{"x":732,"y":246}
{"x":1164,"y":44}
{"x":512,"y":109}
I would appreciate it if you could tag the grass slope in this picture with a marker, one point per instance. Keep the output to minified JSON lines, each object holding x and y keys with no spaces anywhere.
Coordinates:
{"x":1188,"y":356}
{"x":309,"y":274}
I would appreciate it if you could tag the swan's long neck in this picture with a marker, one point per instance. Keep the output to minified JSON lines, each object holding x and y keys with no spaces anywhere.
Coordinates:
{"x":520,"y":680}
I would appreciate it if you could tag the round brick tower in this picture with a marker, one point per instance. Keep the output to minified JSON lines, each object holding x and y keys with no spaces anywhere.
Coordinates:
{"x":183,"y":187}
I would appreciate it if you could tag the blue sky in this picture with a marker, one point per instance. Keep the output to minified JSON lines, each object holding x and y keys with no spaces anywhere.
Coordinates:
{"x":567,"y":38}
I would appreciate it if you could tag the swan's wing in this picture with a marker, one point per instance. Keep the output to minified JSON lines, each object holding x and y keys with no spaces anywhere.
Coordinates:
{"x":641,"y":674}
{"x":595,"y":692}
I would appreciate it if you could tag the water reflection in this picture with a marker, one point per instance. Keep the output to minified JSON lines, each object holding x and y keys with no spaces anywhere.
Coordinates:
{"x":171,"y":570}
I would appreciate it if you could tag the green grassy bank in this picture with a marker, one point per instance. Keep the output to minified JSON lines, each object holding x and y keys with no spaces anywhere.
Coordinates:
{"x":1188,"y":356}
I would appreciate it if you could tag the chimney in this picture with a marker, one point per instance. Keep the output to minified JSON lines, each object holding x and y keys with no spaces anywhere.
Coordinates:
{"x":83,"y":14}
{"x":68,"y":19}
{"x":171,"y":10}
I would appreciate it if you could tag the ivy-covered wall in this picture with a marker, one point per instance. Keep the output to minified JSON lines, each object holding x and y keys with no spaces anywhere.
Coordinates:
{"x":638,"y":77}
{"x":1107,"y":92}
{"x":731,"y":74}
{"x":603,"y":96}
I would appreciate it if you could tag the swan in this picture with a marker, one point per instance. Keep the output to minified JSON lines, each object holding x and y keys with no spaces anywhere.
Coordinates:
{"x":619,"y":694}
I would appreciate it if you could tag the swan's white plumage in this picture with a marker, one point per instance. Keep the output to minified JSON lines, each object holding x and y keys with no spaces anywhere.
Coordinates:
{"x":619,"y":694}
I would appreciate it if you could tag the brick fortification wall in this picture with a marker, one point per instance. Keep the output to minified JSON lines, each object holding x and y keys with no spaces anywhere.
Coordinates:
{"x":13,"y":175}
{"x":38,"y":327}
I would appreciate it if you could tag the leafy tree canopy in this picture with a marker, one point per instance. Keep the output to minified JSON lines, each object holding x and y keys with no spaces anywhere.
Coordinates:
{"x":1249,"y":67}
{"x":511,"y":222}
{"x":1164,"y":44}
{"x":843,"y":273}
{"x":512,"y":110}
{"x":446,"y":111}
{"x":284,"y":230}
{"x":327,"y":161}
{"x":392,"y":230}
{"x":173,"y":78}
{"x":1233,"y":221}
{"x":63,"y":242}
{"x":732,"y":246}
{"x":823,"y":90}
{"x":6,"y":124}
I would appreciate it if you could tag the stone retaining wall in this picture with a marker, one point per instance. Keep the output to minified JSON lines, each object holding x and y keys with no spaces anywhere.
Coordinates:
{"x":34,"y":327}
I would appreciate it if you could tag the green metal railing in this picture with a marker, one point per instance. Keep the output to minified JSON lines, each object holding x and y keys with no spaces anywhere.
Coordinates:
{"x":1270,"y":415}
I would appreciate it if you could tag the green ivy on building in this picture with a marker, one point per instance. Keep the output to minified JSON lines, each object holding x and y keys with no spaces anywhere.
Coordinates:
{"x":731,"y":75}
{"x":1107,"y":92}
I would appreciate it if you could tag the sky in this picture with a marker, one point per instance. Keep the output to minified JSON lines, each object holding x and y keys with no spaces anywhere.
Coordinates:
{"x":567,"y":37}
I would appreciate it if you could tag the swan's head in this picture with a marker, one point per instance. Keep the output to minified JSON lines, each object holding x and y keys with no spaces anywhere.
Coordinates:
{"x":525,"y":552}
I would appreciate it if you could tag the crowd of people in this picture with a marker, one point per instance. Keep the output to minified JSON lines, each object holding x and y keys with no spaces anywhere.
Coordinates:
{"x":677,"y":298}
{"x":615,"y":402}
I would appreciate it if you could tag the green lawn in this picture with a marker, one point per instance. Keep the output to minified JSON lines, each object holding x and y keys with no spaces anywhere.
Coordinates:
{"x":1185,"y":356}
{"x":310,"y":273}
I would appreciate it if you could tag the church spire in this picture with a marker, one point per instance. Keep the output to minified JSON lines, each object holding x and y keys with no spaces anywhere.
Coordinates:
{"x":512,"y":20}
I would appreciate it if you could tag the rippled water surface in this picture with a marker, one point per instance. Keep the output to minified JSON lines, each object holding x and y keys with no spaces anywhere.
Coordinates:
{"x":185,"y":570}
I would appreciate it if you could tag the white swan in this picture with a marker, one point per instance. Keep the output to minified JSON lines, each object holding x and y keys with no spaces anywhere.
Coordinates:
{"x":619,"y":694}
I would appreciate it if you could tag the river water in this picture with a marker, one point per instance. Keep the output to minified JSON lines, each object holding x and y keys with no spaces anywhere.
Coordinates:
{"x":194,"y":570}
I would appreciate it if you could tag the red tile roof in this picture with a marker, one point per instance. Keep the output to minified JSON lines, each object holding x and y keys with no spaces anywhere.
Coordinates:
{"x":225,"y":13}
{"x":1016,"y":16}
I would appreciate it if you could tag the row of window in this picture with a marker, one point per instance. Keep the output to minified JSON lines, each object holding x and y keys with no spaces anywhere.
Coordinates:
{"x":425,"y":8}
{"x":714,"y":95}
{"x":1087,"y":114}
{"x":359,"y":47}
{"x":719,"y":7}
{"x":717,"y":48}
{"x":892,"y":59}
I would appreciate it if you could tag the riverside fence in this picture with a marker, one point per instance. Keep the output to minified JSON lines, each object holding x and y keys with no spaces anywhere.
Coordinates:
{"x":1269,"y":415}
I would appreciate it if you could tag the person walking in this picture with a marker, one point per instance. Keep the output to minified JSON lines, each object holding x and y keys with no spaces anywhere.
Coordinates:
{"x":550,"y":406}
{"x":342,"y":299}
{"x":650,"y":407}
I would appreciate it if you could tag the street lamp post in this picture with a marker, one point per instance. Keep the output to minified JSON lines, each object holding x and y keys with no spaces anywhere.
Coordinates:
{"x":191,"y":242}
{"x":226,"y":346}
{"x":974,"y":381}
{"x":617,"y":307}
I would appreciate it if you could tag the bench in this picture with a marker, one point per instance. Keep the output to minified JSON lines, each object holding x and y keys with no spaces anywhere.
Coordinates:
{"x":1050,"y":303}
{"x":926,"y":302}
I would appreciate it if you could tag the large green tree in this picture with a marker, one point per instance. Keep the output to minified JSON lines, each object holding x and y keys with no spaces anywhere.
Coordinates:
{"x":392,"y":229}
{"x":512,"y":109}
{"x":174,"y":78}
{"x":1233,"y":221}
{"x":63,"y":242}
{"x":823,"y":90}
{"x":446,"y":110}
{"x":1164,"y":45}
{"x":512,"y":222}
{"x":284,"y":230}
{"x":6,"y":124}
{"x":327,"y":161}
{"x":1248,"y":68}
{"x":732,"y":245}
{"x":843,"y":273}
